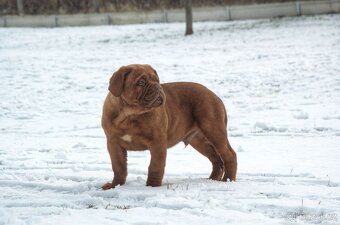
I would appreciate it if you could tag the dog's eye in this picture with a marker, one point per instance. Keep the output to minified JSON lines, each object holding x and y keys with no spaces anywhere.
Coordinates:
{"x":141,"y":82}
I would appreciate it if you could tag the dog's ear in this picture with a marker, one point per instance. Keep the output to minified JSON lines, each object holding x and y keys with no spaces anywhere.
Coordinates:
{"x":117,"y":80}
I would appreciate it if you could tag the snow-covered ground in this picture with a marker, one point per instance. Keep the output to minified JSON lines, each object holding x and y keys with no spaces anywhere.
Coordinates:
{"x":279,"y":79}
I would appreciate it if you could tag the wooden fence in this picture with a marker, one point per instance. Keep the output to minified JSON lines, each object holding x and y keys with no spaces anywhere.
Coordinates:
{"x":219,"y":13}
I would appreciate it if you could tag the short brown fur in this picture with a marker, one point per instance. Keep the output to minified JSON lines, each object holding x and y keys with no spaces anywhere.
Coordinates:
{"x":139,"y":113}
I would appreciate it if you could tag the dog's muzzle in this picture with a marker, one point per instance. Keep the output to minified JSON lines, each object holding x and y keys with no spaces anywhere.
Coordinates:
{"x":153,"y":96}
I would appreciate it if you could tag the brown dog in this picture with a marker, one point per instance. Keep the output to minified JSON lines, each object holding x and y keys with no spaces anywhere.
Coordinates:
{"x":139,"y":113}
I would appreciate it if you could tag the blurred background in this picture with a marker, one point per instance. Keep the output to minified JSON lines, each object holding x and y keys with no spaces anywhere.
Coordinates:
{"x":274,"y":64}
{"x":32,"y":7}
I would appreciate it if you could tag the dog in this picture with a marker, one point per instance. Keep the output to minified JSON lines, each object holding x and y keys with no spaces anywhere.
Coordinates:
{"x":139,"y":113}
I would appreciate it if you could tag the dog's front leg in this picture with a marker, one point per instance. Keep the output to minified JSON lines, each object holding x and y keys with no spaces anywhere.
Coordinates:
{"x":157,"y":165}
{"x":118,"y":157}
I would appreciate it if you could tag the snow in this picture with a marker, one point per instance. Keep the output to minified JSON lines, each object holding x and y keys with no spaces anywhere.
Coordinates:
{"x":278,"y":78}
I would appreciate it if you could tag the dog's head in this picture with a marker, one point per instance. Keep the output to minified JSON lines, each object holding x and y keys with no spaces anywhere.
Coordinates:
{"x":137,"y":85}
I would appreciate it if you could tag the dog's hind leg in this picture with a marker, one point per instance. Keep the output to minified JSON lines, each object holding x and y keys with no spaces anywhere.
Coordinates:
{"x":212,"y":122}
{"x":203,"y":146}
{"x":217,"y":136}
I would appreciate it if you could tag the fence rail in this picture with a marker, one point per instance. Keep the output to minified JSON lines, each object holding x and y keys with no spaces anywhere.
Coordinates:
{"x":219,"y":13}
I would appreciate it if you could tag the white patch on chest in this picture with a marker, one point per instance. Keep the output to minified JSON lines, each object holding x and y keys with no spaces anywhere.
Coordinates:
{"x":126,"y":138}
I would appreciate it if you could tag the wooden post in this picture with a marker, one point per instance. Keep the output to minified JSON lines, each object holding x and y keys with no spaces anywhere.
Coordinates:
{"x":95,"y":4}
{"x":188,"y":17}
{"x":20,"y":7}
{"x":55,"y":5}
{"x":298,"y":8}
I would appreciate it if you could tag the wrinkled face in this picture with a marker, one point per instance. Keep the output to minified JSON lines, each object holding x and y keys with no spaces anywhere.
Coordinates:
{"x":137,"y":85}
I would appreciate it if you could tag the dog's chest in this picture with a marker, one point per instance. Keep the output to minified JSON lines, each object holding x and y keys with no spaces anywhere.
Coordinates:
{"x":133,"y":135}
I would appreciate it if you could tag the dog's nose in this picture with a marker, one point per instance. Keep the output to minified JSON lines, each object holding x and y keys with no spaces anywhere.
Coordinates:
{"x":158,"y":101}
{"x":157,"y":88}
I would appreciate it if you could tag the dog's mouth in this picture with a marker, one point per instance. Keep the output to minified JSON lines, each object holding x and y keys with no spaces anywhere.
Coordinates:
{"x":153,"y":96}
{"x":157,"y":102}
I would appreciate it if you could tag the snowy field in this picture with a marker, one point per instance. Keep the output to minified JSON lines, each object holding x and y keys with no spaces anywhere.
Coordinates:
{"x":280,"y":82}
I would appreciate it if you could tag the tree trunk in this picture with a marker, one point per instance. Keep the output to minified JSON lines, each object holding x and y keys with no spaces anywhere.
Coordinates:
{"x":188,"y":17}
{"x":20,"y":7}
{"x":95,"y":4}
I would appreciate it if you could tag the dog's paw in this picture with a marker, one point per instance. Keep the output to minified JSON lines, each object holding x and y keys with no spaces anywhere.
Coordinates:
{"x":154,"y":182}
{"x":107,"y":186}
